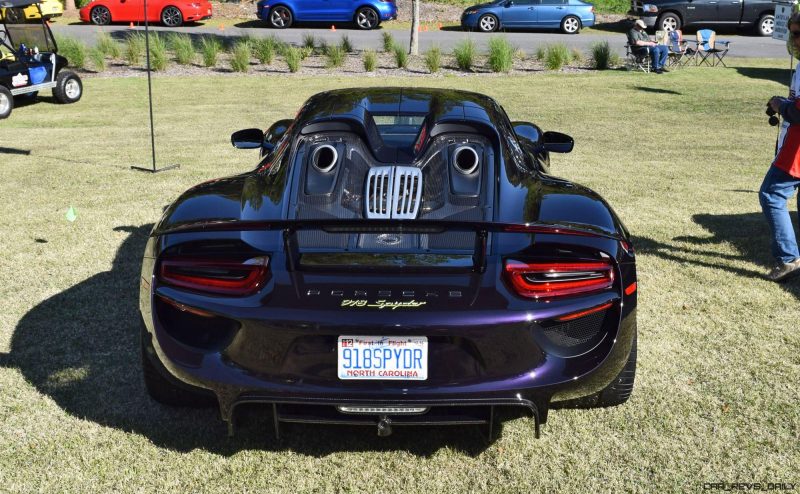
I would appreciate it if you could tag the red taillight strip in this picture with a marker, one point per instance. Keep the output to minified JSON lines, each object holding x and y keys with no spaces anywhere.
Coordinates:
{"x":579,"y":314}
{"x":630,"y":288}
{"x":556,"y":279}
{"x":220,"y":276}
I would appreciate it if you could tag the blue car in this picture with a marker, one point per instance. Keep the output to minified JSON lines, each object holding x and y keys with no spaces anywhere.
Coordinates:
{"x":366,"y":14}
{"x":567,"y":15}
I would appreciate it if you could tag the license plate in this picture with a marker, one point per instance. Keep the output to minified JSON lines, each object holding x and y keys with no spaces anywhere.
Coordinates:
{"x":400,"y":358}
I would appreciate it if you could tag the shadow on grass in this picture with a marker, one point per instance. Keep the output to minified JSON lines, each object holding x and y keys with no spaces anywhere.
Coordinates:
{"x":781,"y":76}
{"x":747,"y":233}
{"x":24,"y":152}
{"x":81,"y":349}
{"x":656,"y":90}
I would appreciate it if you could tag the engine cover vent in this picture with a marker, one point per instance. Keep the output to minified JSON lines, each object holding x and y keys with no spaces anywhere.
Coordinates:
{"x":393,"y":192}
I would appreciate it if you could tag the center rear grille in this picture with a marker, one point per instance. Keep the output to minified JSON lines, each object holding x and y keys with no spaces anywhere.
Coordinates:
{"x":393,"y":192}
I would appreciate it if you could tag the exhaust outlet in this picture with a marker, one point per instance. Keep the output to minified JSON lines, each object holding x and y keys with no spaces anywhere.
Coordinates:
{"x":384,"y":426}
{"x":324,"y":158}
{"x":465,"y":160}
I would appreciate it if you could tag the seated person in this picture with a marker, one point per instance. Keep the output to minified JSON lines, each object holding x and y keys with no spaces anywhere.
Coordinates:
{"x":640,"y":44}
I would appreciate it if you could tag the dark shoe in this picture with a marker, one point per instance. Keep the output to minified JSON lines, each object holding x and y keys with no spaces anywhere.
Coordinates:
{"x":658,"y":71}
{"x":664,"y":69}
{"x":784,"y":271}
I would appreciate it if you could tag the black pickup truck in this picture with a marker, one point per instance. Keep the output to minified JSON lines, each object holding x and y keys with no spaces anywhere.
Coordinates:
{"x":668,"y":15}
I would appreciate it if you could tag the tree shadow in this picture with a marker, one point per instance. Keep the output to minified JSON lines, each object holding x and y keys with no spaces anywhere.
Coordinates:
{"x":748,"y":233}
{"x":781,"y":76}
{"x":81,"y":348}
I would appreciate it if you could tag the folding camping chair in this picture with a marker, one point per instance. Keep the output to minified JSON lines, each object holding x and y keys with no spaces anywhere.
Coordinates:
{"x":679,"y":53}
{"x":637,"y":58}
{"x":710,"y":51}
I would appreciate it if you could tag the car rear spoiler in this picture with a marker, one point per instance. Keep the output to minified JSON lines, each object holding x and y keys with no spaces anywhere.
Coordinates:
{"x":481,"y":229}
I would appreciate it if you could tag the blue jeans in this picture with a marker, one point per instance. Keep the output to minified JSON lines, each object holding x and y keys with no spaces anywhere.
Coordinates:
{"x":777,"y":189}
{"x":658,"y":54}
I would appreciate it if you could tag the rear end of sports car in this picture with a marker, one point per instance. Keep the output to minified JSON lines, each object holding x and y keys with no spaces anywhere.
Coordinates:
{"x":336,"y":287}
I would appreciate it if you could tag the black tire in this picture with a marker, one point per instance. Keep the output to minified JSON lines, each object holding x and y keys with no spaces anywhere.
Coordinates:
{"x":367,"y":18}
{"x":488,"y":23}
{"x":668,"y":22}
{"x":171,"y":16}
{"x":69,"y":87}
{"x":570,"y":25}
{"x":100,"y":15}
{"x":765,"y":25}
{"x":6,"y":102}
{"x":280,"y":17}
{"x":620,"y":389}
{"x":616,"y":393}
{"x":164,"y":388}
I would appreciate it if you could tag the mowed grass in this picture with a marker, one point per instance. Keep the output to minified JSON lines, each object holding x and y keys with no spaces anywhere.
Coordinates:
{"x":679,"y":156}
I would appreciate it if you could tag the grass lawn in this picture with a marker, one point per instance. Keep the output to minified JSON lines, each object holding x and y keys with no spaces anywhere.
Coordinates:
{"x":680,"y":156}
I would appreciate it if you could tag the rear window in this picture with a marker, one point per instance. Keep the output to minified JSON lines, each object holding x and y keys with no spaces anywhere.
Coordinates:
{"x":398,"y":131}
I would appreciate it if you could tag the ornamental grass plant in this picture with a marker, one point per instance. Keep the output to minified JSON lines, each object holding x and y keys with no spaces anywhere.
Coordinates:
{"x":209,"y":50}
{"x":557,"y":55}
{"x":465,"y":53}
{"x":240,"y":57}
{"x":370,"y":60}
{"x":183,"y":48}
{"x":433,"y":59}
{"x":74,"y":50}
{"x":501,"y":54}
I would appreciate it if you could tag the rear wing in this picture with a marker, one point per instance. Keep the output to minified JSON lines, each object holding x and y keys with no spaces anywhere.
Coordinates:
{"x":481,"y":229}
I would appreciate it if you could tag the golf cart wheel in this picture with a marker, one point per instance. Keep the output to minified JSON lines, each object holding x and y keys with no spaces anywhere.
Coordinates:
{"x":6,"y":102}
{"x":570,"y":25}
{"x":171,"y":16}
{"x":100,"y":15}
{"x":69,"y":87}
{"x":488,"y":23}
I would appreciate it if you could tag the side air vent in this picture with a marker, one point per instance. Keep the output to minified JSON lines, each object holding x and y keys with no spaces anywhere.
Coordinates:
{"x":393,"y":192}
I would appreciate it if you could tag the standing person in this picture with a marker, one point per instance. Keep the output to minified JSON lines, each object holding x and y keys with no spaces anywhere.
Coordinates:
{"x":783,"y":177}
{"x":640,"y":42}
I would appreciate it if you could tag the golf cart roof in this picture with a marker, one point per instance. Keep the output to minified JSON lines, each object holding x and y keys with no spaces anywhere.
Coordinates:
{"x":11,"y":4}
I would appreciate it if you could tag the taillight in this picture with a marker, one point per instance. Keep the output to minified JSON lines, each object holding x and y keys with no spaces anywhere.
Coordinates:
{"x":557,"y":279}
{"x":211,"y":275}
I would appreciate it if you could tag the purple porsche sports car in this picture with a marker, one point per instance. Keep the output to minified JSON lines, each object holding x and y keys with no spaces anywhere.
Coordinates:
{"x":399,"y":256}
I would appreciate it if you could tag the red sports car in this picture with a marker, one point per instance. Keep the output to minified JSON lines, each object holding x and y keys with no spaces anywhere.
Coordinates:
{"x":171,"y":13}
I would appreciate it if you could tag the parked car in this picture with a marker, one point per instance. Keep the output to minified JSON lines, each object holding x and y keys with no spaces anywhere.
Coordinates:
{"x":567,"y":15}
{"x":29,"y":61}
{"x":399,"y":256}
{"x":171,"y":13}
{"x":366,"y":14}
{"x":47,"y":9}
{"x":668,"y":15}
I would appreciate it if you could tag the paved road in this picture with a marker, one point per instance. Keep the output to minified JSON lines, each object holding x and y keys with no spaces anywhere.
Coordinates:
{"x":741,"y":45}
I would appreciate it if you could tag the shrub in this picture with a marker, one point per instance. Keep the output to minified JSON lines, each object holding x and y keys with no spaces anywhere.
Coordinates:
{"x":556,"y":56}
{"x":433,"y":59}
{"x":465,"y":54}
{"x":323,"y":47}
{"x":309,"y":41}
{"x":107,"y":45}
{"x":240,"y":57}
{"x":520,"y":54}
{"x":264,"y":49}
{"x":541,"y":52}
{"x":183,"y":47}
{"x":98,"y":59}
{"x":74,"y":50}
{"x":335,"y":56}
{"x":346,"y":45}
{"x":293,"y":58}
{"x":370,"y":61}
{"x":158,"y":52}
{"x":306,"y":52}
{"x":400,"y":57}
{"x":388,"y":41}
{"x":501,"y":54}
{"x":210,"y":48}
{"x":602,"y":55}
{"x":134,"y":48}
